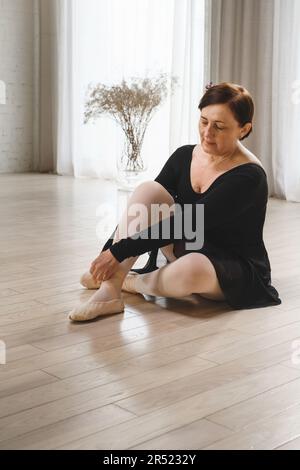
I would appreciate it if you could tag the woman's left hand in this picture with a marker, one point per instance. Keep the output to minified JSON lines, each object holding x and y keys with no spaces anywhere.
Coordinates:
{"x":104,"y":266}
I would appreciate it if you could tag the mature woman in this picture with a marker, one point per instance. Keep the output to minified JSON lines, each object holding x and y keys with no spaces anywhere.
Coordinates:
{"x":230,"y":182}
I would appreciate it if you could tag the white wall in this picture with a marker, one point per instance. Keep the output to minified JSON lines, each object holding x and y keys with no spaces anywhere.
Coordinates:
{"x":16,"y":70}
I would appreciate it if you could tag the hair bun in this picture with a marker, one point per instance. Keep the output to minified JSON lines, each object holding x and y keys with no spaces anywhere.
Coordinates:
{"x":209,"y":85}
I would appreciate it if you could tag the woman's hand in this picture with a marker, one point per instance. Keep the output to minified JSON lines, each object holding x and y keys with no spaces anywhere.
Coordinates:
{"x":104,"y":266}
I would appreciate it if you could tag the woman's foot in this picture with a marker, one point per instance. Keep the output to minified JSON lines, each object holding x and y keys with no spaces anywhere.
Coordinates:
{"x":91,"y":310}
{"x":106,"y":300}
{"x":129,"y":284}
{"x":88,"y":281}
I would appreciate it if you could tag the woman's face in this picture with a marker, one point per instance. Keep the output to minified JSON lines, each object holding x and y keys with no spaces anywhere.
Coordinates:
{"x":219,"y":131}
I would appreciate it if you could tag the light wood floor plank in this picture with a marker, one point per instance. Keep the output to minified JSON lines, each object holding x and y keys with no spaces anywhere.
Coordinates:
{"x":265,"y":434}
{"x":294,"y":444}
{"x":89,"y":380}
{"x":147,"y":427}
{"x":67,"y":430}
{"x":262,"y":406}
{"x":258,"y":342}
{"x":31,"y":419}
{"x":192,"y":436}
{"x":25,"y":382}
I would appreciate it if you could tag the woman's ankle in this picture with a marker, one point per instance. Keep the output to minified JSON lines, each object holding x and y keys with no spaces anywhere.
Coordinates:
{"x":108,"y":291}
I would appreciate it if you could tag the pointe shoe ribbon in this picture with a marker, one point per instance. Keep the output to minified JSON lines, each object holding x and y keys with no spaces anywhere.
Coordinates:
{"x":91,"y":310}
{"x":88,"y":281}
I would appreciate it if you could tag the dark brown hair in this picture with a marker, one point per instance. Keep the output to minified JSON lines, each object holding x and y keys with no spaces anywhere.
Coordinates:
{"x":236,"y":97}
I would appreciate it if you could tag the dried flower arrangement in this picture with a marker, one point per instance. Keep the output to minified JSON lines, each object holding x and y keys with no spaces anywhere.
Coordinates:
{"x":132,"y":107}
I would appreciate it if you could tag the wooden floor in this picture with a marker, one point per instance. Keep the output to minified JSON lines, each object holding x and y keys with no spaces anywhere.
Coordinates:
{"x":166,"y":373}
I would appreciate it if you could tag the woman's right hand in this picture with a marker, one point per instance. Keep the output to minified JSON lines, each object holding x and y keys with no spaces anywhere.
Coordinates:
{"x":104,"y":266}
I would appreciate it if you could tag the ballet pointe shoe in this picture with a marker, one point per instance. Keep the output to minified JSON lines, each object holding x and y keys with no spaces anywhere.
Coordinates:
{"x":129,"y":284}
{"x":91,"y":310}
{"x":88,"y":281}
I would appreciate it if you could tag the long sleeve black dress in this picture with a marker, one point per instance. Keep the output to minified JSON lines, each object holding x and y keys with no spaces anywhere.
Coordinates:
{"x":234,"y":215}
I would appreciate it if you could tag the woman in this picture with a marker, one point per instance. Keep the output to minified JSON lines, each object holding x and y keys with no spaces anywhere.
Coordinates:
{"x":225,"y":177}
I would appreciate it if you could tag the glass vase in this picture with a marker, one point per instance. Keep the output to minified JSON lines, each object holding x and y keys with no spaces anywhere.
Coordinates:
{"x":131,"y":166}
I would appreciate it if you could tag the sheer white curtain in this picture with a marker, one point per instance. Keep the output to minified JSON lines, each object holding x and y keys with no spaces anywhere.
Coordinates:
{"x":106,"y":40}
{"x":286,"y":99}
{"x":257,"y":43}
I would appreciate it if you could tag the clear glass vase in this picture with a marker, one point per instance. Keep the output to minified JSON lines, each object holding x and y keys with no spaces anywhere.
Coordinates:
{"x":131,"y":166}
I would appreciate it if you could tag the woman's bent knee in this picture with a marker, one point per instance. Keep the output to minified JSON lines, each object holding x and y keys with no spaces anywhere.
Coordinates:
{"x":190,"y":268}
{"x":155,"y":191}
{"x":200,"y":273}
{"x":149,"y":185}
{"x":197,"y":264}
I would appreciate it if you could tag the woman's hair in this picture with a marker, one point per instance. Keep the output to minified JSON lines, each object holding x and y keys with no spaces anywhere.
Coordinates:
{"x":235,"y":96}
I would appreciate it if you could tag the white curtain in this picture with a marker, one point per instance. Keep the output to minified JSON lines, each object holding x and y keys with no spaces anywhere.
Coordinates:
{"x":257,"y":43}
{"x":286,"y":99}
{"x":106,"y":40}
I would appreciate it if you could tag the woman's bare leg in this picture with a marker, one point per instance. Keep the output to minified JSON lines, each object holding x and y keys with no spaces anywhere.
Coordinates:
{"x":147,"y":193}
{"x":192,"y":273}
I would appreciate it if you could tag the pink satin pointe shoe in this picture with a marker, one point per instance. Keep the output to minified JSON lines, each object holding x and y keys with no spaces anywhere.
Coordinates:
{"x":88,"y":281}
{"x":129,"y":284}
{"x":91,"y":310}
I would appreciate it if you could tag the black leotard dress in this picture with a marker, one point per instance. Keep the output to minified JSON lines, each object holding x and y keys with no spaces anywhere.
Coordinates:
{"x":234,"y":215}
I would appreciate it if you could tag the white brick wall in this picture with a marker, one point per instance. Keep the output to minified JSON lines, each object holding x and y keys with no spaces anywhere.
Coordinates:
{"x":16,"y":70}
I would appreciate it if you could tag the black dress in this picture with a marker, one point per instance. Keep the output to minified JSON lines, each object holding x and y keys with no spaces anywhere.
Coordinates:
{"x":234,"y":215}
